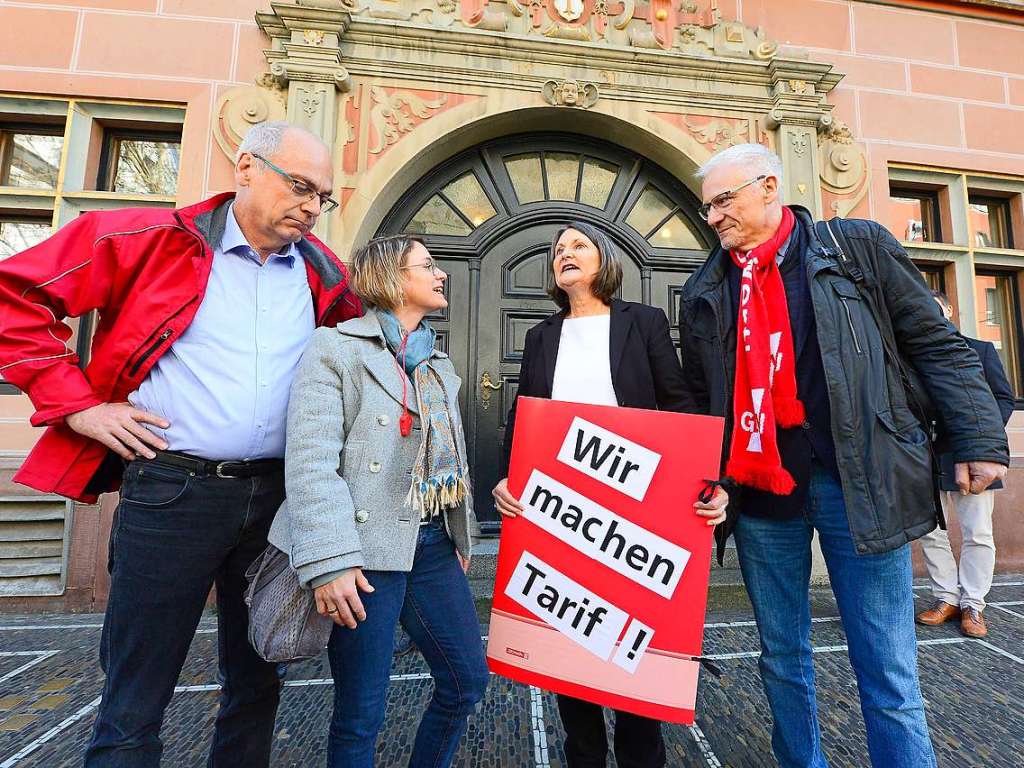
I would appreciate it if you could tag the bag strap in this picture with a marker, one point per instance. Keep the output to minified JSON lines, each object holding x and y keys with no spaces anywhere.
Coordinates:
{"x":856,"y":275}
{"x":884,"y":320}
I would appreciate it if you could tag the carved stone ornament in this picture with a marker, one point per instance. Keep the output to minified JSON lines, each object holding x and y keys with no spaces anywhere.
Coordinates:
{"x":695,"y":28}
{"x":240,"y":109}
{"x":311,"y":99}
{"x":719,"y":133}
{"x":570,"y":10}
{"x":570,"y":93}
{"x":799,"y":142}
{"x":392,"y":114}
{"x":843,"y":167}
{"x":313,"y":36}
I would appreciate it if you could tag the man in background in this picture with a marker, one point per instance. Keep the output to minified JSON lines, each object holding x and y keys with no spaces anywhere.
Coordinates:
{"x":960,"y":592}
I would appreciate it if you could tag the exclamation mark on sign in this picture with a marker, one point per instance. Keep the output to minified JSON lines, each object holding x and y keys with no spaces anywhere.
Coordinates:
{"x":637,"y":642}
{"x":633,"y":645}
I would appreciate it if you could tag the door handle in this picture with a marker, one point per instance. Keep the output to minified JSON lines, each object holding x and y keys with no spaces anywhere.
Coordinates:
{"x":486,"y":387}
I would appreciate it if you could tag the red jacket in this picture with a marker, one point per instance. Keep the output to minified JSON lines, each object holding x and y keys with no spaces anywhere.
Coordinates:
{"x":145,"y":270}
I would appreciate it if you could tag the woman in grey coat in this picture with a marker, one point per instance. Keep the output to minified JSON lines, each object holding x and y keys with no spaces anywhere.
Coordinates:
{"x":378,"y":513}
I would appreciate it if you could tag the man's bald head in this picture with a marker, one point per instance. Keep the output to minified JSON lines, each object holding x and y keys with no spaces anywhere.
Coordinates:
{"x":276,"y":168}
{"x":266,"y":139}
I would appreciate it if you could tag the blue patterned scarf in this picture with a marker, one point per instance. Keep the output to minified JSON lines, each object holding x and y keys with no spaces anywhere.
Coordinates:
{"x":418,"y":346}
{"x":439,"y":479}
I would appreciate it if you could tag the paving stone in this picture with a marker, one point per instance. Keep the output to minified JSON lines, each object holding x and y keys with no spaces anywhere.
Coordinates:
{"x":50,"y":702}
{"x":57,"y":684}
{"x":974,"y":698}
{"x":16,"y":722}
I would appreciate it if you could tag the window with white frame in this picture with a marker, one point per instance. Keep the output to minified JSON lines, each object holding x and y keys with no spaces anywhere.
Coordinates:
{"x":966,"y":230}
{"x":60,"y":158}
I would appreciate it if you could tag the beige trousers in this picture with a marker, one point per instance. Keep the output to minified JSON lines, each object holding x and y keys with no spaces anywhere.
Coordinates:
{"x":967,"y":585}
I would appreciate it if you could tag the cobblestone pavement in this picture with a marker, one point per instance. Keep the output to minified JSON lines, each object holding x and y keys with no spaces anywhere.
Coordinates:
{"x":50,"y":683}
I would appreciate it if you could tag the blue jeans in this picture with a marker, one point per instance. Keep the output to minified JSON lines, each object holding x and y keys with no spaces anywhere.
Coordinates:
{"x":175,"y":535}
{"x":435,"y":606}
{"x":876,"y":605}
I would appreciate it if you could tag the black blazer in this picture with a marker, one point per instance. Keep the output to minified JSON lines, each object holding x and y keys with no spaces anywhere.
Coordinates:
{"x":645,"y":366}
{"x":1001,"y":390}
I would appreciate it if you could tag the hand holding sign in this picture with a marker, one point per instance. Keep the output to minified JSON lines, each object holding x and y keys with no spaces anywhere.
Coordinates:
{"x":598,"y":492}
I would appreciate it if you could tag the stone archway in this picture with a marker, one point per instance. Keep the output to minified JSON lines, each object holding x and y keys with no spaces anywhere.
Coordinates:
{"x":393,"y":85}
{"x":488,"y":215}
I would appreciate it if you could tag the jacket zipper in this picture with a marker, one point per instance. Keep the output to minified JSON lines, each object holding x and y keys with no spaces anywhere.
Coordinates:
{"x":167,"y":331}
{"x":849,"y":319}
{"x":148,"y":353}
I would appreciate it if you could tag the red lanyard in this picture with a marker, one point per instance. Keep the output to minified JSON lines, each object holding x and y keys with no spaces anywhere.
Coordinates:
{"x":405,"y":422}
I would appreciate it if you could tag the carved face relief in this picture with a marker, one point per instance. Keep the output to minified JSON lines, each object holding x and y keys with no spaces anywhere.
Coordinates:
{"x":570,"y":10}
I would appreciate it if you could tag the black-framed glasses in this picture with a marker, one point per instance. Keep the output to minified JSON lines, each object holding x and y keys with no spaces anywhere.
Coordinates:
{"x":430,"y":265}
{"x":721,"y":202}
{"x":300,"y":188}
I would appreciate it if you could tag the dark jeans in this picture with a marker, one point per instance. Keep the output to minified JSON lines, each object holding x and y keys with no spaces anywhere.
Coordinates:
{"x":175,"y":535}
{"x":435,"y":606}
{"x":638,"y":741}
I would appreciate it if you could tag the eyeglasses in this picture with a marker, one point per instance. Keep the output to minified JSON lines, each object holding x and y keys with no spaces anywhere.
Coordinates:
{"x":300,"y":188}
{"x":430,"y":265}
{"x":721,"y":202}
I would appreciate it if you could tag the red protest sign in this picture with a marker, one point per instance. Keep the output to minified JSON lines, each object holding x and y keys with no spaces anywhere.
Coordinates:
{"x":602,"y":582}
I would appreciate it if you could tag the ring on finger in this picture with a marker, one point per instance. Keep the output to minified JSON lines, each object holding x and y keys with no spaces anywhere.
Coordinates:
{"x":332,"y":610}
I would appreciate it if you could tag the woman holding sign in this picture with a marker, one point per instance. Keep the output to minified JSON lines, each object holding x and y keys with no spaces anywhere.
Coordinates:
{"x":600,"y":350}
{"x":378,"y":508}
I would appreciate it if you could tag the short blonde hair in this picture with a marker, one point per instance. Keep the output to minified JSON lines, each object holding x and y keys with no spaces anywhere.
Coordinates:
{"x":377,"y":270}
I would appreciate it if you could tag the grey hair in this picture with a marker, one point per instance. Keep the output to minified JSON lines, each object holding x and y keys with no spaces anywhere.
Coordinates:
{"x":263,"y":139}
{"x":758,"y":158}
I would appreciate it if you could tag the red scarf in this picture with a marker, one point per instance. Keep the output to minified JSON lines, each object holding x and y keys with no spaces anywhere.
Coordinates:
{"x":765,"y":389}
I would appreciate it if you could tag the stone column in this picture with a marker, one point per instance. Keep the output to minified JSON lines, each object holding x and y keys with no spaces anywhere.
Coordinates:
{"x":797,"y":113}
{"x":305,"y":59}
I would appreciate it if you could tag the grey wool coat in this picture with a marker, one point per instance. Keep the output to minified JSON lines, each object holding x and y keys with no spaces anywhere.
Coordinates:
{"x":347,"y":466}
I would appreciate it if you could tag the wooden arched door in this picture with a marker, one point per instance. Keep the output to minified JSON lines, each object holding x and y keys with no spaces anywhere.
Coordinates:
{"x":488,"y":217}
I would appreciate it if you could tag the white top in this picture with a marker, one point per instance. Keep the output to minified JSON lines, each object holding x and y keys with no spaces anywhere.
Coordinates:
{"x":583,"y":370}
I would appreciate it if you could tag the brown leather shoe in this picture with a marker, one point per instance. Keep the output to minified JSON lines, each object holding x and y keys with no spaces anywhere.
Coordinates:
{"x":973,"y":623}
{"x":939,"y":613}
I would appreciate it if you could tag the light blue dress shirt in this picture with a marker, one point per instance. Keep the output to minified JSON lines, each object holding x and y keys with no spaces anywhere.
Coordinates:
{"x":224,"y":384}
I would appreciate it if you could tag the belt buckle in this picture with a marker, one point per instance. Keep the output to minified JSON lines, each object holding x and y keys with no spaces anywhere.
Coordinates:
{"x":219,"y":471}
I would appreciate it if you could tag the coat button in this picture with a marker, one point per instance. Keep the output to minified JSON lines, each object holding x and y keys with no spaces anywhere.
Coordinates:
{"x":362,"y":516}
{"x":383,"y":420}
{"x":375,"y":467}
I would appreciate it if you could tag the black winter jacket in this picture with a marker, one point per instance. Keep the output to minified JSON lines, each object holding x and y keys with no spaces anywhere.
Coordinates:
{"x":1001,"y":390}
{"x":881,"y":451}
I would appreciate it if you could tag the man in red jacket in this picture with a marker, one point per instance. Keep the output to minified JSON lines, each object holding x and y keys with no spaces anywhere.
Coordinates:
{"x":203,"y":315}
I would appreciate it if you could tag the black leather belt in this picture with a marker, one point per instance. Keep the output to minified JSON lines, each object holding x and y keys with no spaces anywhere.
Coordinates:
{"x":223,"y":469}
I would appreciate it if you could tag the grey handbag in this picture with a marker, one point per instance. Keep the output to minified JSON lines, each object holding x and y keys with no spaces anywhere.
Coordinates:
{"x":283,"y":621}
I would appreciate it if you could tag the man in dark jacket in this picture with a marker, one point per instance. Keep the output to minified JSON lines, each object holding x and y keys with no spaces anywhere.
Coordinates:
{"x":960,"y":593}
{"x":819,"y":437}
{"x":204,"y":314}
